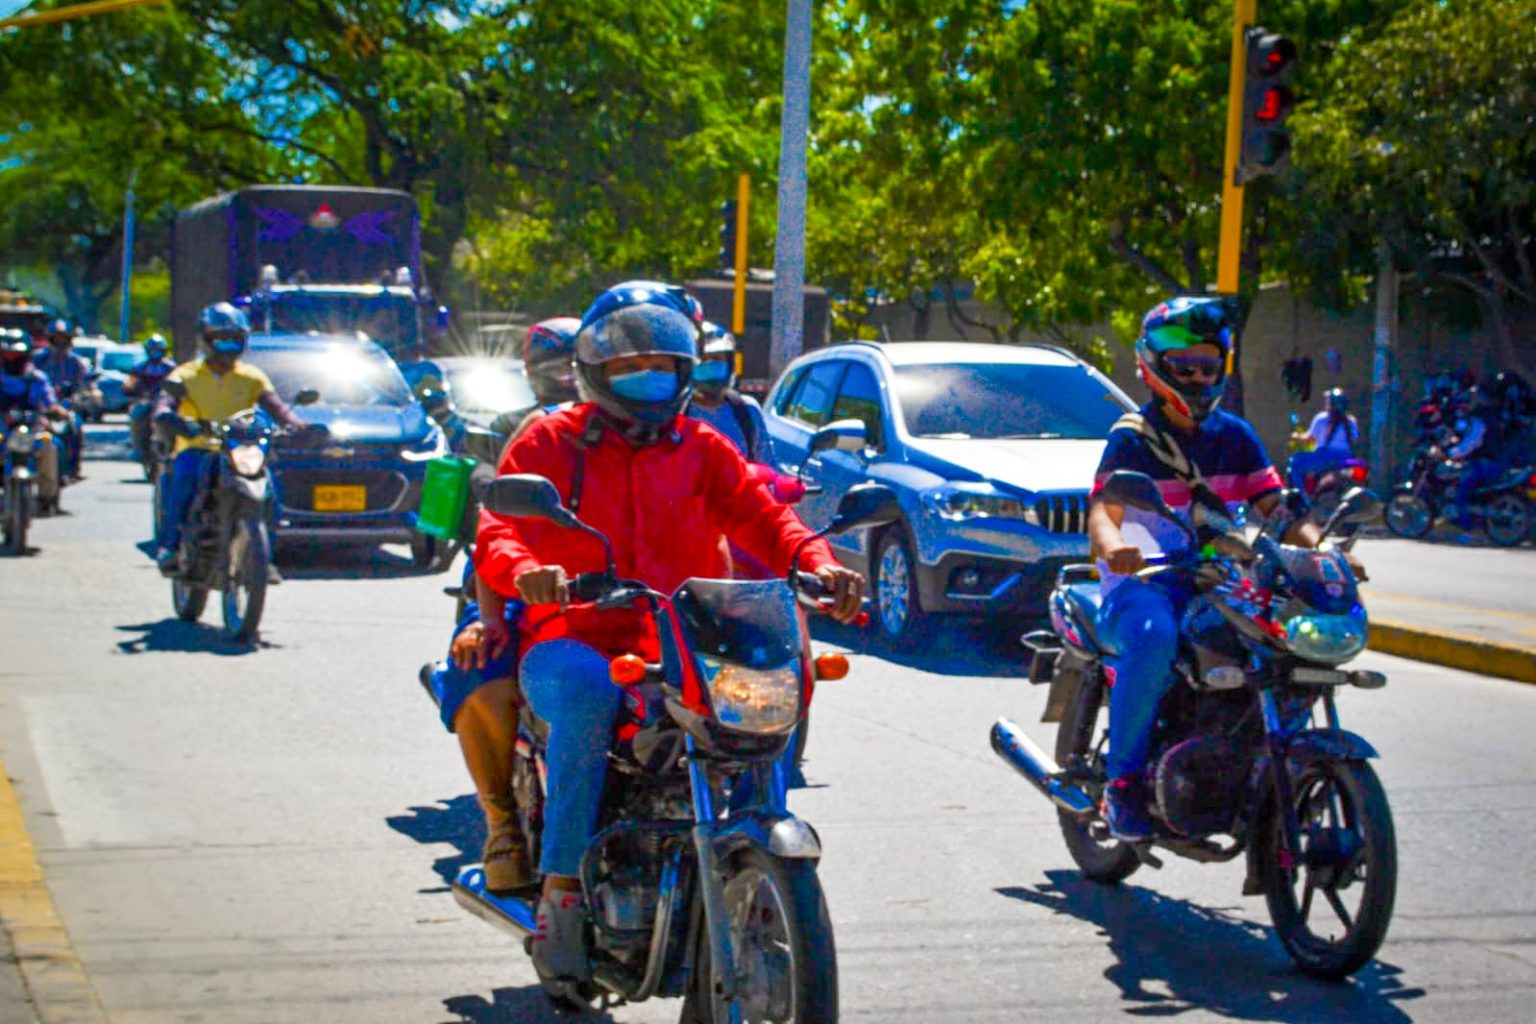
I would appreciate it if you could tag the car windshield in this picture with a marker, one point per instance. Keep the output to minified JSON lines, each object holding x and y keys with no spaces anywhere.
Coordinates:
{"x":386,"y":318}
{"x":122,"y":360}
{"x":488,"y":388}
{"x":995,"y":401}
{"x":342,"y":375}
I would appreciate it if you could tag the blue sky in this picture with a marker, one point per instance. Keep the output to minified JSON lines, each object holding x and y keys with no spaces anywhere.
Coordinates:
{"x":10,"y":7}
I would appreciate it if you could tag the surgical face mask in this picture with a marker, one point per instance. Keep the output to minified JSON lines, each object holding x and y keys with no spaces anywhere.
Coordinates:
{"x":645,"y":385}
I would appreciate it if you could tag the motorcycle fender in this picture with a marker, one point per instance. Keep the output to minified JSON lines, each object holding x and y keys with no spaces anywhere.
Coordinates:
{"x":787,"y":837}
{"x":1329,"y":745}
{"x":251,"y":489}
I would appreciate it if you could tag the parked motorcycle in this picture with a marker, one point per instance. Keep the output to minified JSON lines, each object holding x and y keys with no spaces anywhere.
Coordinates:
{"x":224,"y":543}
{"x":725,"y":910}
{"x":1502,"y":508}
{"x":1238,"y":762}
{"x":22,"y":435}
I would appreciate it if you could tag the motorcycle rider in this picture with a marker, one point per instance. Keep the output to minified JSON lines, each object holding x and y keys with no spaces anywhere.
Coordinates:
{"x":1480,"y":446}
{"x":663,"y":488}
{"x":1185,"y":443}
{"x":1334,"y":432}
{"x":717,"y":402}
{"x":212,"y":389}
{"x":69,"y":373}
{"x":144,"y":383}
{"x":24,"y":388}
{"x":548,"y":349}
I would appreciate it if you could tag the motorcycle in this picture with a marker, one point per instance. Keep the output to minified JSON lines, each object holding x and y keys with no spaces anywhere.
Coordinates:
{"x":1238,"y":763}
{"x":725,"y":911}
{"x":22,"y":436}
{"x":1501,"y":508}
{"x":225,"y":544}
{"x":141,"y":438}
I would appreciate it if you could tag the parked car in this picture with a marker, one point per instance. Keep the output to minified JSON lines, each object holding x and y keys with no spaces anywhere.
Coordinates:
{"x":115,"y":365}
{"x":991,"y":449}
{"x":361,"y":486}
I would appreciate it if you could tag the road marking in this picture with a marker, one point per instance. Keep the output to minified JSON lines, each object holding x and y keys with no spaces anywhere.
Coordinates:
{"x":61,"y":993}
{"x":1371,"y":593}
{"x":1456,"y":650}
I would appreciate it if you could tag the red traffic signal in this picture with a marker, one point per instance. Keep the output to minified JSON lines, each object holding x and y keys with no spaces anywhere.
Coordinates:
{"x":1273,"y":104}
{"x":1267,"y":101}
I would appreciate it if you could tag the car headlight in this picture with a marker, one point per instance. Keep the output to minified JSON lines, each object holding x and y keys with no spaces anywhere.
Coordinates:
{"x":433,"y":446}
{"x":1326,"y":638}
{"x":956,"y":505}
{"x":764,"y":701}
{"x":248,"y":459}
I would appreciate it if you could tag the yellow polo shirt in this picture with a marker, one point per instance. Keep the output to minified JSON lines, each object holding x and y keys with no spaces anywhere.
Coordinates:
{"x":216,"y":396}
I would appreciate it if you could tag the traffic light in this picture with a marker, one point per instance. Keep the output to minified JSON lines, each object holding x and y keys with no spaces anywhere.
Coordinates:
{"x":1267,"y":102}
{"x":728,"y":234}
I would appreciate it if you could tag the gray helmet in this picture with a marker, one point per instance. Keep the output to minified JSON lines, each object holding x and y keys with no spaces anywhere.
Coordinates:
{"x":636,"y":331}
{"x":713,"y":377}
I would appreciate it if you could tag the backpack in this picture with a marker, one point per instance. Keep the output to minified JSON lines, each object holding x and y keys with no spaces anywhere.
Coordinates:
{"x":744,"y":420}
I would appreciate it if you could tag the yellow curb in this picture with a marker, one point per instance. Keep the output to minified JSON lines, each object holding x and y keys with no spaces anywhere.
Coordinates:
{"x":61,"y":993}
{"x":1455,"y":650}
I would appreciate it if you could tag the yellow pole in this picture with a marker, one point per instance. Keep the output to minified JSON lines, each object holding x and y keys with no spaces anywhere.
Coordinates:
{"x":739,"y":300}
{"x":75,"y":11}
{"x":1231,"y":191}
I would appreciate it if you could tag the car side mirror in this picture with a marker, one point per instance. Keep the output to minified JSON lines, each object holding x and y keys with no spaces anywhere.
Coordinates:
{"x":527,"y":495}
{"x":867,"y":504}
{"x":843,"y":435}
{"x":309,"y":396}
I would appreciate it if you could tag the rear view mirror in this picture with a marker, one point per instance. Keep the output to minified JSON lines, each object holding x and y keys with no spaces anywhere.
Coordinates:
{"x":309,"y":396}
{"x":1357,"y":508}
{"x":527,"y":495}
{"x":1135,"y":490}
{"x":866,"y":505}
{"x":844,"y":435}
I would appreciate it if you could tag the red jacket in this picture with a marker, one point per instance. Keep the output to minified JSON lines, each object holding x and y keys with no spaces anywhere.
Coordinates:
{"x":664,"y":506}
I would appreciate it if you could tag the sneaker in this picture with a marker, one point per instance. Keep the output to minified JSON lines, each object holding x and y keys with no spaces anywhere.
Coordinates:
{"x":1125,"y":811}
{"x":506,"y":851}
{"x":168,"y":561}
{"x":559,"y":945}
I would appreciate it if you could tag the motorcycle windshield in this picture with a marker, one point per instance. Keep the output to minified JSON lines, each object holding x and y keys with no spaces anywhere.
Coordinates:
{"x":749,"y":622}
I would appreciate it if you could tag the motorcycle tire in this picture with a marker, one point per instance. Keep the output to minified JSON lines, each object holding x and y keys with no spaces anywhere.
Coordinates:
{"x":245,"y":588}
{"x":1354,"y":794}
{"x":1507,"y":520}
{"x":1409,"y":515}
{"x":188,"y":600}
{"x":801,"y":738}
{"x":1104,"y":860}
{"x":767,"y":892}
{"x":18,"y":515}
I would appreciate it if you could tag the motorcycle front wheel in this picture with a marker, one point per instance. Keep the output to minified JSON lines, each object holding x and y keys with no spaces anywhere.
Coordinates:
{"x":18,"y":515}
{"x":1409,"y":515}
{"x":188,"y":600}
{"x":1348,"y":854}
{"x":245,"y":588}
{"x":1507,"y":520}
{"x":781,"y":937}
{"x":1099,"y":856}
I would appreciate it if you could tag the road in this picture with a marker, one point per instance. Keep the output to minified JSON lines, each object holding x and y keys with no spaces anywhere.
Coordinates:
{"x":264,"y":836}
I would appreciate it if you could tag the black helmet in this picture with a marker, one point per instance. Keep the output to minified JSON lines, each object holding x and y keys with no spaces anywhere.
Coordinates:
{"x":223,"y":329}
{"x":60,"y":328}
{"x":1178,"y":324}
{"x":547,"y":354}
{"x":1336,"y":401}
{"x":645,"y":406}
{"x":15,"y":350}
{"x":714,"y":376}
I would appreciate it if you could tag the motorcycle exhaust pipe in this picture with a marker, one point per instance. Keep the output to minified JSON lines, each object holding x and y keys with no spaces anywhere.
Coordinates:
{"x":507,"y":913}
{"x":1026,"y":758}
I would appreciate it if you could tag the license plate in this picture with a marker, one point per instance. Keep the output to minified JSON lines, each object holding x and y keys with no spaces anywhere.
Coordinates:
{"x":340,"y":498}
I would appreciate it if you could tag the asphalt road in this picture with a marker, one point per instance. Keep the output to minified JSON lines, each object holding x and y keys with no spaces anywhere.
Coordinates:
{"x":266,"y":835}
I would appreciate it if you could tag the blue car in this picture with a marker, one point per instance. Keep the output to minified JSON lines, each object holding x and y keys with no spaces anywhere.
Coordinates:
{"x":990,"y":448}
{"x":363,"y":485}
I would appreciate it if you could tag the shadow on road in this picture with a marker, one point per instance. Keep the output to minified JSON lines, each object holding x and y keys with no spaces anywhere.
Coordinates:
{"x":300,"y":560}
{"x":456,"y":821}
{"x":514,"y":1006}
{"x":1174,"y":956}
{"x":183,"y":638}
{"x":950,"y":648}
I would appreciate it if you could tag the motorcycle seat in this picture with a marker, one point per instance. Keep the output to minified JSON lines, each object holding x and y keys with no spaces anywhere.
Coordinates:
{"x":1083,"y":601}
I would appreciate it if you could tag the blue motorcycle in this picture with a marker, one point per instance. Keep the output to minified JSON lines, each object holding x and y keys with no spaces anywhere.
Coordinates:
{"x":24,"y":435}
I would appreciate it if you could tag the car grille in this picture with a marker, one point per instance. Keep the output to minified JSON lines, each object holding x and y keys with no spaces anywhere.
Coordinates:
{"x":1063,"y":513}
{"x":385,"y":487}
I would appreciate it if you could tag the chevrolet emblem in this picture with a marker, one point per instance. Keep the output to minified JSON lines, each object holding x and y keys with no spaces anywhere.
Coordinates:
{"x":337,"y":452}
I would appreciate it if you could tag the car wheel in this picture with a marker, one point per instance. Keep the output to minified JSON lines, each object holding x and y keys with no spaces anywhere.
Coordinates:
{"x":897,"y":612}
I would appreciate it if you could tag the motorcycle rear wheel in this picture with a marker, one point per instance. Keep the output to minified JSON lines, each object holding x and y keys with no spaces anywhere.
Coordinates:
{"x":1409,"y":515}
{"x":188,"y":600}
{"x":245,"y":590}
{"x":1099,"y":857}
{"x":1507,"y":520}
{"x":781,"y":936}
{"x":1334,"y":799}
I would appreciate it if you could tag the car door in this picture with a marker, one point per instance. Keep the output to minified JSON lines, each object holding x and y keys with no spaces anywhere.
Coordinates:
{"x":859,"y":397}
{"x":806,"y":408}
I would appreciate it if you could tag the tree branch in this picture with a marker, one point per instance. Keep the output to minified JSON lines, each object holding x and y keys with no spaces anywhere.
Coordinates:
{"x":1142,"y":262}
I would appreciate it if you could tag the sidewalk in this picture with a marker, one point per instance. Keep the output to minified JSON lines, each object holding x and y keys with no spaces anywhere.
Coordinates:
{"x":1463,"y":605}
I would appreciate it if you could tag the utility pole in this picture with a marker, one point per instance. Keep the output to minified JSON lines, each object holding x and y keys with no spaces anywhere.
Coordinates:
{"x":1231,"y":188}
{"x":739,"y":257}
{"x":1383,"y":338}
{"x":122,"y":323}
{"x":789,"y":248}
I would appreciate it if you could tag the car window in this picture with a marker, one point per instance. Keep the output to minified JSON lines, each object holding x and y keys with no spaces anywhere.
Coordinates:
{"x":791,"y":384}
{"x":122,"y":360}
{"x":1005,"y":400}
{"x":489,"y":388}
{"x":859,"y":399}
{"x":342,"y":375}
{"x":812,"y":403}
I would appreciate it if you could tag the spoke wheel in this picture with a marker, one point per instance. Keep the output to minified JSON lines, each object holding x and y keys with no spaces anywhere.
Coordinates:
{"x":1507,"y":520}
{"x":1332,"y":910}
{"x":1409,"y":515}
{"x":785,"y":968}
{"x":1099,"y":856}
{"x":245,"y":590}
{"x":896,"y":604}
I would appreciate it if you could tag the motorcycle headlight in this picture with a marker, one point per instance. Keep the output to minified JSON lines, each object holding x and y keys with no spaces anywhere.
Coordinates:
{"x":19,"y":442}
{"x":1326,"y":638}
{"x":763,"y":701}
{"x":248,"y":459}
{"x":956,"y":505}
{"x":433,"y":446}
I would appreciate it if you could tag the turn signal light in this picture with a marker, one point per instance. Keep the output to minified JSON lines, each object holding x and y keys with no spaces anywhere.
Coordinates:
{"x":831,"y":666}
{"x":627,"y":669}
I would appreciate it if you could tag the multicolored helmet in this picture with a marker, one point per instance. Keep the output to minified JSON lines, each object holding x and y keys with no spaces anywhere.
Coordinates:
{"x":636,"y":330}
{"x":1171,"y":328}
{"x":155,"y":346}
{"x":548,"y":354}
{"x":223,"y":329}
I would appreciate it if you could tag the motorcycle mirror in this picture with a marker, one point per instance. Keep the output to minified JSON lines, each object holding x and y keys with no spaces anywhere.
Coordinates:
{"x":1135,"y":490}
{"x":1357,"y":507}
{"x":867,"y":504}
{"x":309,"y":396}
{"x":527,"y":495}
{"x":843,"y":435}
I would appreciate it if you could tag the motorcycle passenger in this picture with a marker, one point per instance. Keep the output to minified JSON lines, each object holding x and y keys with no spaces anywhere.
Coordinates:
{"x":1480,"y":446}
{"x":23,"y":389}
{"x":1333,"y":434}
{"x":717,"y":402}
{"x":547,"y":354}
{"x":213,"y":388}
{"x":144,"y":383}
{"x":69,"y":373}
{"x":1184,"y":442}
{"x":664,"y":489}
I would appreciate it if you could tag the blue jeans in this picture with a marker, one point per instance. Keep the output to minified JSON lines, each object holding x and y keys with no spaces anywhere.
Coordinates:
{"x":1141,"y":620}
{"x":186,"y":470}
{"x":1304,"y":463}
{"x":1478,"y":473}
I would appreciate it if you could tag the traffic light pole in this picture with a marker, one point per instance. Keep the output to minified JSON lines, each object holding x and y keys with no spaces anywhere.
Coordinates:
{"x":1227,"y":272}
{"x":739,"y":294}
